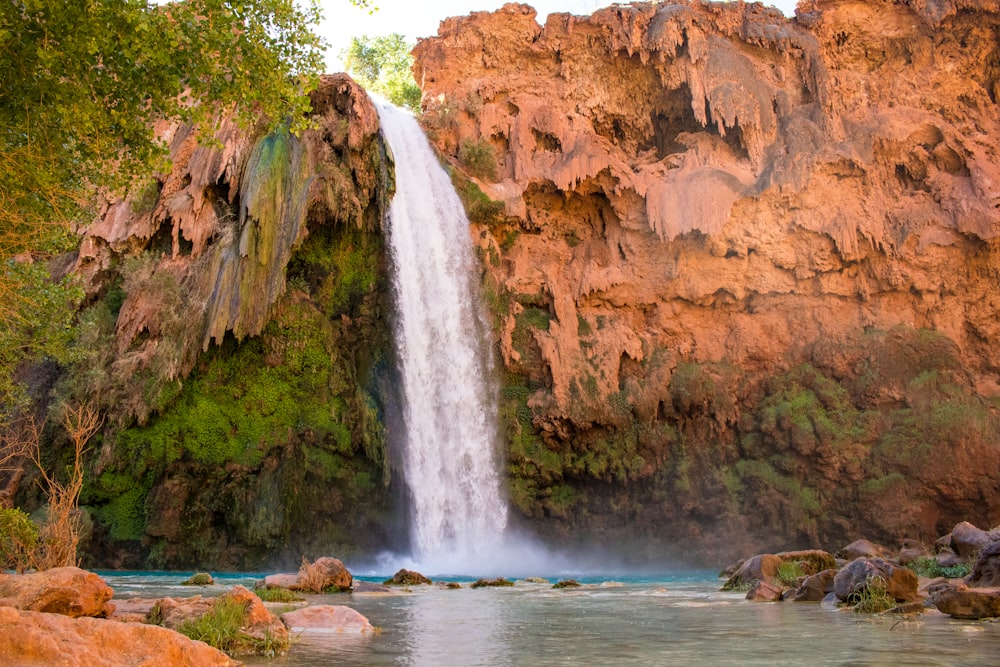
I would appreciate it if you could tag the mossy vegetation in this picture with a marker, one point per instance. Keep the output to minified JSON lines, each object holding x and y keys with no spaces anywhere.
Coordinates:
{"x":278,"y":594}
{"x":266,"y":425}
{"x":222,"y":627}
{"x":929,"y":567}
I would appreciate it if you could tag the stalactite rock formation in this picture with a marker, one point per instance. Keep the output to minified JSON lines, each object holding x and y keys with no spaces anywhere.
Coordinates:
{"x":714,"y":184}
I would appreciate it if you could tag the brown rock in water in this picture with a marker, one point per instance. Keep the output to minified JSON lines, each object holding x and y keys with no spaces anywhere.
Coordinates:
{"x":900,"y":582}
{"x":967,"y":540}
{"x":864,"y":549}
{"x":323,"y":574}
{"x":62,"y":590}
{"x":407,"y":578}
{"x":986,"y":570}
{"x":815,"y":587}
{"x":765,"y":592}
{"x":971,"y":603}
{"x":258,"y":621}
{"x":327,"y":618}
{"x":30,"y":639}
{"x":762,"y":567}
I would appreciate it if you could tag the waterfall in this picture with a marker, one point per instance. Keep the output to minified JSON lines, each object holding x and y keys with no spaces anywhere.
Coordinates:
{"x":450,"y":457}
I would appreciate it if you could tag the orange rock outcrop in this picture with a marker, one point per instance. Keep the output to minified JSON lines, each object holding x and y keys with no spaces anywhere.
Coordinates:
{"x":701,"y":198}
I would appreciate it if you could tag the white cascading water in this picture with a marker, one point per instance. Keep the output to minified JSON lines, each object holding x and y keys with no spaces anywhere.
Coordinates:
{"x":450,"y":458}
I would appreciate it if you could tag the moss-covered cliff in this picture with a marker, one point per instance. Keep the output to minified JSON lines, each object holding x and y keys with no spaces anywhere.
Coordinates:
{"x":236,"y":338}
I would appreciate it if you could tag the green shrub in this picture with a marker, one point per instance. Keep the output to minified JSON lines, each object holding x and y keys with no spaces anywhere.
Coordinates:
{"x":492,"y":583}
{"x":18,"y":540}
{"x":790,"y":572}
{"x":278,"y":594}
{"x":223,"y":628}
{"x":873,"y":598}
{"x":929,"y":567}
{"x":478,"y":158}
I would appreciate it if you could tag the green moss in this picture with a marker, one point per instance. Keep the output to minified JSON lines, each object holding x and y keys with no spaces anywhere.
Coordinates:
{"x":278,"y":594}
{"x":479,"y":158}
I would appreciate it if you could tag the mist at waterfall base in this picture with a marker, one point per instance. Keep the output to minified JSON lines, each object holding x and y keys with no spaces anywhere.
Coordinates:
{"x":448,"y":448}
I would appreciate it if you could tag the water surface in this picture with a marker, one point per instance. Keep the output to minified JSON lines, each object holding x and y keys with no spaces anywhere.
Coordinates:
{"x":665,"y":620}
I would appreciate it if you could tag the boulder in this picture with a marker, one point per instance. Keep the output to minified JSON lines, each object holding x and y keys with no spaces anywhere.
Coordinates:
{"x":764,"y":592}
{"x":566,"y":583}
{"x":172,"y":613}
{"x":864,"y":549}
{"x":42,"y":639}
{"x":258,"y":621}
{"x":986,"y":570}
{"x":62,"y":590}
{"x":407,"y":578}
{"x":324,"y":574}
{"x":967,"y":540}
{"x":963,"y":602}
{"x":900,"y":582}
{"x":762,"y":567}
{"x":810,"y":561}
{"x":492,"y":583}
{"x":327,"y":618}
{"x":912,"y":550}
{"x":284,"y":580}
{"x":815,"y":587}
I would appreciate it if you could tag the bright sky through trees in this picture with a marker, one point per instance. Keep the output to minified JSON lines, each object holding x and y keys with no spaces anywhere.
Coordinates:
{"x":420,"y":19}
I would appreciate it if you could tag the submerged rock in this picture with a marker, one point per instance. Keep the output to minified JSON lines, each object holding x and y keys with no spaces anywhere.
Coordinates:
{"x":567,"y":583}
{"x":407,"y":578}
{"x":327,"y":618}
{"x":62,"y":590}
{"x":487,"y":583}
{"x":31,"y":638}
{"x":764,"y":591}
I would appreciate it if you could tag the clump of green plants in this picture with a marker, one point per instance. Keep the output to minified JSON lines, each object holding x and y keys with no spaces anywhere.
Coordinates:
{"x":478,"y":157}
{"x":278,"y":594}
{"x":223,"y":628}
{"x":929,"y":567}
{"x":567,"y":583}
{"x":873,"y":597}
{"x":18,"y":540}
{"x":790,"y":573}
{"x":199,"y":579}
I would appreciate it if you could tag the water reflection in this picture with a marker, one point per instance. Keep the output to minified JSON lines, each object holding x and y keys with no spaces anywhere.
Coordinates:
{"x":460,"y":627}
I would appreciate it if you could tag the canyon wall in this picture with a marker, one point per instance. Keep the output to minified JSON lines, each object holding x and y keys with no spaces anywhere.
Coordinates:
{"x":744,"y":268}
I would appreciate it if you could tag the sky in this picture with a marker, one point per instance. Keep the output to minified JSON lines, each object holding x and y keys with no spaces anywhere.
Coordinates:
{"x":416,"y":18}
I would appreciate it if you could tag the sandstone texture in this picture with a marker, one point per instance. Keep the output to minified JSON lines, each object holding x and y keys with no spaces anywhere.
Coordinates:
{"x":63,"y":590}
{"x":30,"y":639}
{"x":744,"y":267}
{"x":969,"y":603}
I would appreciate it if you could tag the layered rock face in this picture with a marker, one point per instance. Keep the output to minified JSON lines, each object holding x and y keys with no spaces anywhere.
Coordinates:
{"x":745,"y":275}
{"x":233,"y":337}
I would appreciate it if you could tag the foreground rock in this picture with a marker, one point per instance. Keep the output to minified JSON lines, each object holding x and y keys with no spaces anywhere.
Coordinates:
{"x":407,"y":578}
{"x":815,"y":587}
{"x":854,"y":578}
{"x":986,"y":571}
{"x":968,"y":603}
{"x":327,"y":618}
{"x":258,"y":622}
{"x":62,"y":590}
{"x":30,"y":638}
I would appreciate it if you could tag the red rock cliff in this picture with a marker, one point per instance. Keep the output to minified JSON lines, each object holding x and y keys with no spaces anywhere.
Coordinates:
{"x":746,"y":276}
